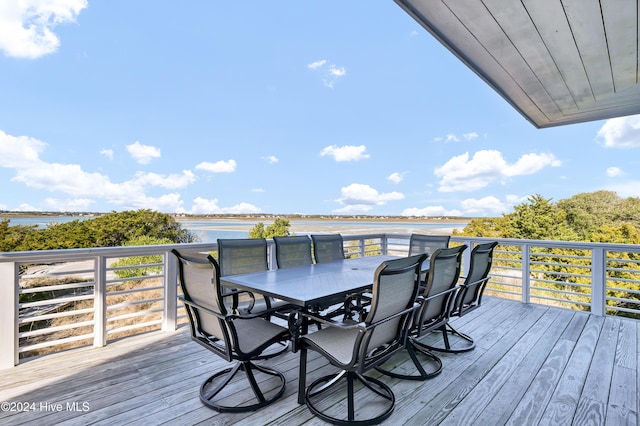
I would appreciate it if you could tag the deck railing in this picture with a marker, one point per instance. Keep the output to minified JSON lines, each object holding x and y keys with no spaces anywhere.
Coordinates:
{"x":52,"y":300}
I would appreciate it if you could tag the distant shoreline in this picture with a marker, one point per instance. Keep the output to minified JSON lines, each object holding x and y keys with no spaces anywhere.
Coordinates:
{"x":257,"y":217}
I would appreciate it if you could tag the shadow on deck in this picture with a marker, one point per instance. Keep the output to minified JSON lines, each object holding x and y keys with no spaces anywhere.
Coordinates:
{"x":532,"y":365}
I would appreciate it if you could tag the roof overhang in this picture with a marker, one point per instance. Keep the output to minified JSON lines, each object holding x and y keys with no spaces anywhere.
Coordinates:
{"x":556,"y":62}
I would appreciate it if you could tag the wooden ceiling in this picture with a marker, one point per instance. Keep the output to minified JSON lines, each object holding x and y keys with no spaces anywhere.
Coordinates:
{"x":556,"y":61}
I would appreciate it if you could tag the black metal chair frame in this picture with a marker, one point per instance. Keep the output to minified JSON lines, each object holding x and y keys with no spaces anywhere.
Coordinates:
{"x":217,"y":332}
{"x":469,"y":296}
{"x":434,"y":312}
{"x":364,"y":357}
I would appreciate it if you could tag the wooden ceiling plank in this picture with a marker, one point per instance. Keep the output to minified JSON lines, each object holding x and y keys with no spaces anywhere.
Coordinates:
{"x":621,"y":27}
{"x":476,"y":18}
{"x":518,"y":27}
{"x":552,"y":25}
{"x":585,"y":20}
{"x":438,"y":20}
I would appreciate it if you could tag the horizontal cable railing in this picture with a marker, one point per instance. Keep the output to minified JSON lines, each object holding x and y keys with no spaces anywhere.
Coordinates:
{"x":56,"y":299}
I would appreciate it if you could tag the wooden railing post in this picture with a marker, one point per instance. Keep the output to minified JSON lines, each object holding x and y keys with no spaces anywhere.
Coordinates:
{"x":170,"y":314}
{"x":526,"y":273}
{"x":9,"y":276}
{"x":598,"y":281}
{"x":100,"y":302}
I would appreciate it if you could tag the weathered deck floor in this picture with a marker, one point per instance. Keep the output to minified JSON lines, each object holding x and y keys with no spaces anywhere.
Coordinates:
{"x":532,"y":365}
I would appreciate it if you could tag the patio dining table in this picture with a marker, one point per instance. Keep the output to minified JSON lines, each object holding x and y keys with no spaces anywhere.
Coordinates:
{"x":311,"y":288}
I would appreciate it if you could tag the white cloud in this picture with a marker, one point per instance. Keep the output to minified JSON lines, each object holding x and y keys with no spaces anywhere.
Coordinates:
{"x":24,"y":207}
{"x":107,"y":153}
{"x":625,"y":189}
{"x":360,"y":197}
{"x":317,"y":64}
{"x":84,"y":188}
{"x":614,"y":171}
{"x":470,"y":136}
{"x":396,"y":177}
{"x":203,"y":205}
{"x":337,"y":72}
{"x":430,"y":211}
{"x":143,"y":154}
{"x":463,"y":174}
{"x":258,"y":190}
{"x":172,"y":181}
{"x":451,"y":137}
{"x":345,"y":153}
{"x":26,"y":25}
{"x":487,"y":206}
{"x":70,"y":205}
{"x":271,"y":159}
{"x":620,"y":132}
{"x":330,"y":72}
{"x":19,"y":151}
{"x":218,"y":167}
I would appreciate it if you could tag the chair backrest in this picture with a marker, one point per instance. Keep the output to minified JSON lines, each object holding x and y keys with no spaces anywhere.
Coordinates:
{"x":476,"y":280}
{"x":327,"y":247}
{"x":444,"y":271}
{"x":293,"y":251}
{"x":420,"y":243}
{"x":199,"y":278}
{"x":242,"y":255}
{"x":395,"y":288}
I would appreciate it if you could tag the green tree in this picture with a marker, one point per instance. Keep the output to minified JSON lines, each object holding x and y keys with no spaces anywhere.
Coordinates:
{"x":279,"y":228}
{"x":484,"y":227}
{"x":141,"y":260}
{"x":538,"y":219}
{"x":109,"y":230}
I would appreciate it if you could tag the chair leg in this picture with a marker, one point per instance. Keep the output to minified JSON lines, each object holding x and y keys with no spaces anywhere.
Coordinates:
{"x":413,"y":349}
{"x":327,"y":382}
{"x":447,"y":331}
{"x":210,"y":389}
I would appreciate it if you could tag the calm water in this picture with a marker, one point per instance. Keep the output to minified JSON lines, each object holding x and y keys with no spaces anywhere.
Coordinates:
{"x":210,"y":230}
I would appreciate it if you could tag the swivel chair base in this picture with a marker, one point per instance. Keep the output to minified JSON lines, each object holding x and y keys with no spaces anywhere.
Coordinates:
{"x":414,"y":350}
{"x":370,"y":383}
{"x":447,"y":331}
{"x":209,"y":389}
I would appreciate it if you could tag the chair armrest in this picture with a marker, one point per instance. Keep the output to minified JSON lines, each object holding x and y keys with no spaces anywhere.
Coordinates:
{"x":232,"y":316}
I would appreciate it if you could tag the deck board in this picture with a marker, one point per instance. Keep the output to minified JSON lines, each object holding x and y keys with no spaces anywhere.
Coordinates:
{"x":532,"y":365}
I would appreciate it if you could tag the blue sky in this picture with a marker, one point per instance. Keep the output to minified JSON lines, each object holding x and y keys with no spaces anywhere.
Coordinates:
{"x":314,"y":107}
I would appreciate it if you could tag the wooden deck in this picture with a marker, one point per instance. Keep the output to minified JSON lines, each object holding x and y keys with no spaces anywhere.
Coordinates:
{"x":532,"y":365}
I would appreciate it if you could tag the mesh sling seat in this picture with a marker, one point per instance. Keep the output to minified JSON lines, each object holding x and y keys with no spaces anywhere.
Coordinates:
{"x":293,"y":251}
{"x":469,"y":296}
{"x":358,"y":347}
{"x":327,"y":247}
{"x":233,"y":337}
{"x":243,"y":256}
{"x":420,"y":243}
{"x":433,"y":315}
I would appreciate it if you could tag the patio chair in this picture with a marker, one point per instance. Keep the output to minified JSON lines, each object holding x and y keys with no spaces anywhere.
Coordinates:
{"x":242,"y":256}
{"x":469,"y":295}
{"x":420,"y":243}
{"x":327,"y":247}
{"x":240,"y":338}
{"x":433,"y":315}
{"x":293,"y":251}
{"x":358,"y":347}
